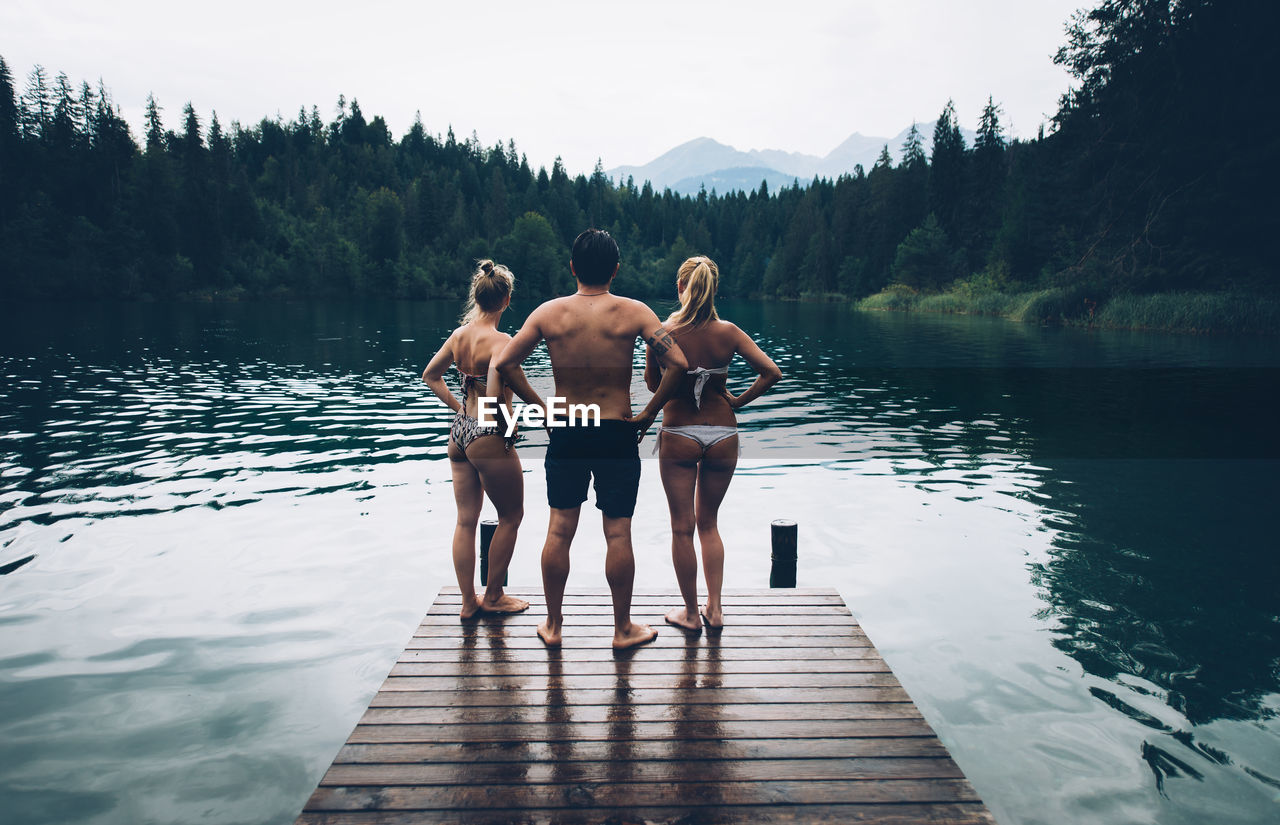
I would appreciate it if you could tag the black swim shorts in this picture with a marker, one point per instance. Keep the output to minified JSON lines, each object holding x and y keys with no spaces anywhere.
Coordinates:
{"x":608,"y":452}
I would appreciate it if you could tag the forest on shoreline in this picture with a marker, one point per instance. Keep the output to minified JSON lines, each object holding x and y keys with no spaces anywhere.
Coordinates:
{"x":1145,"y":203}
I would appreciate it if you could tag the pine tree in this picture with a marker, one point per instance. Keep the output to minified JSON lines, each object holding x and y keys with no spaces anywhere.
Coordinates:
{"x":66,"y":114}
{"x":354,"y":126}
{"x":10,"y":157}
{"x":155,"y":128}
{"x":909,"y":200}
{"x":192,"y":141}
{"x":10,"y":123}
{"x":87,"y":107}
{"x":988,"y":183}
{"x":883,"y":162}
{"x":946,"y":178}
{"x":219,"y":147}
{"x":36,"y":104}
{"x":913,"y":148}
{"x":990,"y":133}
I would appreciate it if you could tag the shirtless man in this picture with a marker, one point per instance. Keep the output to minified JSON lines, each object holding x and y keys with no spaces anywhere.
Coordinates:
{"x":591,"y":338}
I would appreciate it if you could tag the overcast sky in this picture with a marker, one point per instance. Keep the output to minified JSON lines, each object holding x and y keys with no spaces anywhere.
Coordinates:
{"x":620,"y":81}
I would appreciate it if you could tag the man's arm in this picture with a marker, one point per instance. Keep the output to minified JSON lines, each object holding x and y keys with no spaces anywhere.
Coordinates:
{"x":664,"y":348}
{"x":504,"y":368}
{"x":652,"y":372}
{"x":514,"y":379}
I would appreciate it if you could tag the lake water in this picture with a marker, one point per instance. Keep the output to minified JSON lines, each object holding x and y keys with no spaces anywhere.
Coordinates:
{"x":219,"y":525}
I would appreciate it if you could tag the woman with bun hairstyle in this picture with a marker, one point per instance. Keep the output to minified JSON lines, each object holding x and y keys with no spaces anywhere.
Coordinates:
{"x":698,"y":440}
{"x":482,"y":460}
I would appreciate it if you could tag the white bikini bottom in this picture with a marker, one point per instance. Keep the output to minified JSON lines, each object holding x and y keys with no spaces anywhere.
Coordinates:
{"x":706,"y":435}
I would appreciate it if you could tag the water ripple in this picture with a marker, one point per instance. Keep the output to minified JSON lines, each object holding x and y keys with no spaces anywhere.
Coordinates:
{"x":218,"y":523}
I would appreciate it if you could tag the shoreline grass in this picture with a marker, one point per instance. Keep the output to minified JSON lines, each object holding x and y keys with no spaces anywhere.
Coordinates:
{"x":1182,"y":312}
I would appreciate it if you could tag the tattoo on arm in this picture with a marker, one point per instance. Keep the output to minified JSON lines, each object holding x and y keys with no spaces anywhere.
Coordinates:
{"x":660,"y":342}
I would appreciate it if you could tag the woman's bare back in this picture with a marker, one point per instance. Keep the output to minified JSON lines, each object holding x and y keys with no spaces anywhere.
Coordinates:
{"x":711,"y":345}
{"x":473,"y":347}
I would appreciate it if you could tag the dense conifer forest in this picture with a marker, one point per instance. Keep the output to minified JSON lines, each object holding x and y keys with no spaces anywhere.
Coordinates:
{"x":1146,"y":181}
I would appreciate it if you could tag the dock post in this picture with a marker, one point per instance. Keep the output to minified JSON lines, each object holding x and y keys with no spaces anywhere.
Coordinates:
{"x":783,"y":573}
{"x":486,"y":535}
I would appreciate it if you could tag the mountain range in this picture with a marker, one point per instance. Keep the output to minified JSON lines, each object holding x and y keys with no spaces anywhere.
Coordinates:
{"x":707,"y":162}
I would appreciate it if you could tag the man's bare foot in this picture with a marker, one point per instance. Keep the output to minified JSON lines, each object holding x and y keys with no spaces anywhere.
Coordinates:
{"x":636,"y":634}
{"x":683,"y":619}
{"x":469,"y":609}
{"x":503,"y":604}
{"x":549,"y":633}
{"x":713,"y":618}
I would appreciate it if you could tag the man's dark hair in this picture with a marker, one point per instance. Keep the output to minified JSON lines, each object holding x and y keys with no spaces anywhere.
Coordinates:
{"x":594,"y":257}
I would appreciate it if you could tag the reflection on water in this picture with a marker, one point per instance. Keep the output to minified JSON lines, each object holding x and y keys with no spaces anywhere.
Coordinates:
{"x":218,"y":524}
{"x":1172,"y":601}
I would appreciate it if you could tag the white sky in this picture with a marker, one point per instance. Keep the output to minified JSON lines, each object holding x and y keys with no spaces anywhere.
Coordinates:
{"x":620,"y":81}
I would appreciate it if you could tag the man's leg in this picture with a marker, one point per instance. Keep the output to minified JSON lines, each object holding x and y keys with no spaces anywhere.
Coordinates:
{"x":620,"y":570}
{"x":555,"y":569}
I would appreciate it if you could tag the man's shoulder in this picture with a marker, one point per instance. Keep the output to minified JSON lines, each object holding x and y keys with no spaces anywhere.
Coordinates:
{"x":637,"y":308}
{"x":549,"y":305}
{"x":635,"y":303}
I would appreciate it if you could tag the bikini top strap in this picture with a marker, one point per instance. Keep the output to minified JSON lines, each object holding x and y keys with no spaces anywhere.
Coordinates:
{"x":703,"y":375}
{"x":468,"y":380}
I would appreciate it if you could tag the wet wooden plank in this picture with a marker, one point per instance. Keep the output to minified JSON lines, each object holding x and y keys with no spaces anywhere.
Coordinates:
{"x":544,"y":730}
{"x":750,"y":623}
{"x":623,"y":794}
{"x":515,"y":751}
{"x":571,"y":609}
{"x":643,"y":601}
{"x":578,"y":660}
{"x":853,"y":675}
{"x":672,"y":638}
{"x":788,"y":715}
{"x":674,"y":769}
{"x":572,"y":658}
{"x":637,"y":696}
{"x":623,"y":710}
{"x":971,"y":813}
{"x":827,"y":594}
{"x":514,"y":684}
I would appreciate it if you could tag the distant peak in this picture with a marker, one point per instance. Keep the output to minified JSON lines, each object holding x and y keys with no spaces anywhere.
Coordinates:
{"x":705,"y":141}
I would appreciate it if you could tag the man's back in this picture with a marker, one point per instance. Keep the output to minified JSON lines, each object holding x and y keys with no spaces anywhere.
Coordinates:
{"x":591,"y":341}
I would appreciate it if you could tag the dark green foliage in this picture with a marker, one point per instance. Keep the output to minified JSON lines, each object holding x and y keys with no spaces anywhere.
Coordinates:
{"x":925,"y":259}
{"x":537,"y":256}
{"x":947,"y":171}
{"x":1146,"y":183}
{"x":1178,"y":194}
{"x":10,"y":144}
{"x":913,"y":149}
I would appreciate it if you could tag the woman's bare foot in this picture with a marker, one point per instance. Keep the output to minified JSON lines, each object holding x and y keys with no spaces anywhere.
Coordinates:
{"x":470,"y":607}
{"x":714,"y":617}
{"x":683,"y":619}
{"x":549,"y":633}
{"x":503,"y":604}
{"x":635,"y":634}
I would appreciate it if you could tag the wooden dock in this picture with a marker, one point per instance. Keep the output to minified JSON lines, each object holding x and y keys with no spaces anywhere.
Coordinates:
{"x":787,"y":715}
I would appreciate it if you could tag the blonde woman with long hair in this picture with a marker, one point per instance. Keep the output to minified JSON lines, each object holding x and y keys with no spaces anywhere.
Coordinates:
{"x":698,"y":440}
{"x":482,"y":460}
